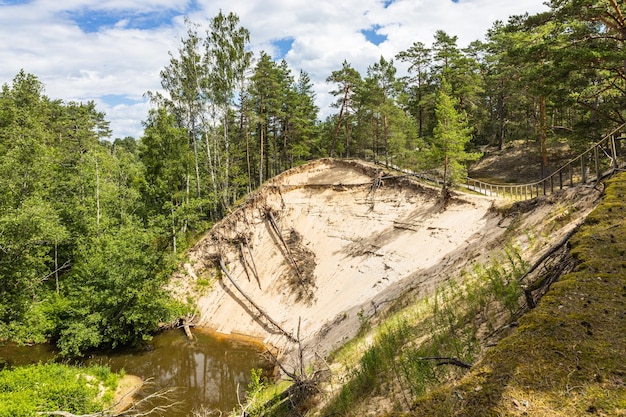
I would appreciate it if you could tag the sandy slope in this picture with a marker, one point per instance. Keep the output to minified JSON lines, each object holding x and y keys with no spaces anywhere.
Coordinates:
{"x":355,"y":248}
{"x":347,"y":250}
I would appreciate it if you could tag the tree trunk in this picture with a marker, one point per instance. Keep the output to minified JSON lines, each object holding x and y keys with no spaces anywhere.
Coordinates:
{"x":339,"y":120}
{"x":192,"y":137}
{"x":255,"y":305}
{"x":543,"y":136}
{"x":500,"y":121}
{"x":56,"y":266}
{"x":261,"y":154}
{"x":97,"y":197}
{"x":386,"y":138}
{"x":225,"y":191}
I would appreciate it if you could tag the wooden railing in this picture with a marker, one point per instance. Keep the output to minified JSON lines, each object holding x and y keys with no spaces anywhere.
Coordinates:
{"x":600,"y":160}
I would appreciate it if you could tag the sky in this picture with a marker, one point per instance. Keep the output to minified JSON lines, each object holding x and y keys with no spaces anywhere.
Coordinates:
{"x":111,"y":51}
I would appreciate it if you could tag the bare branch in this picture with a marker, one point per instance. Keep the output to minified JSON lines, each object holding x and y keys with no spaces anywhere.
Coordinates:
{"x":133,"y":411}
{"x":62,"y":267}
{"x":166,"y":394}
{"x":444,"y":360}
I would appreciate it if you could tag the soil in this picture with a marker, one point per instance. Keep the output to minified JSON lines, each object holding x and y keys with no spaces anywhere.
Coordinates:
{"x":519,"y":162}
{"x":127,"y":387}
{"x":322,"y":247}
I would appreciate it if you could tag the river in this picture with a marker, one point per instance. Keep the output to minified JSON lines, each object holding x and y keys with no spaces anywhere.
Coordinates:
{"x":206,"y":371}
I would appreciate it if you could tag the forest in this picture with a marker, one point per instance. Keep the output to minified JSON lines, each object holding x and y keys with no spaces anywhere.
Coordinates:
{"x":91,"y":227}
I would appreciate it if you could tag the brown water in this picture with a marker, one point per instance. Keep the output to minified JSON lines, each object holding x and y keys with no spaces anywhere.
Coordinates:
{"x":206,"y":371}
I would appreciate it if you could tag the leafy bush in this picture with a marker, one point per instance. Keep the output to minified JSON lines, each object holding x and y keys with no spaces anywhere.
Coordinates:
{"x":26,"y":391}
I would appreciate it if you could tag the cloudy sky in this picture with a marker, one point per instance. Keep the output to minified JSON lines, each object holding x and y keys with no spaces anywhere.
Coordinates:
{"x":111,"y":51}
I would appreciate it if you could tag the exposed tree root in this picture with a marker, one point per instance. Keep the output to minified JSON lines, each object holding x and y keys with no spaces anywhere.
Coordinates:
{"x":248,"y":266}
{"x":305,"y":384}
{"x":288,"y":253}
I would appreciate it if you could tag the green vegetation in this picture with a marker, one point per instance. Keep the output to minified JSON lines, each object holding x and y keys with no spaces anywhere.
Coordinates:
{"x":82,"y":260}
{"x":263,"y":397}
{"x":451,"y":135}
{"x":31,"y":390}
{"x":414,"y":350}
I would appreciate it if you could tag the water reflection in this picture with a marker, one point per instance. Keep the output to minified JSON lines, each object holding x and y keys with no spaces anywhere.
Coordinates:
{"x":207,"y":371}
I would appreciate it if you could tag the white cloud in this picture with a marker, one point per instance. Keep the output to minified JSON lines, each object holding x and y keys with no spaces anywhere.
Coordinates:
{"x":121,"y":59}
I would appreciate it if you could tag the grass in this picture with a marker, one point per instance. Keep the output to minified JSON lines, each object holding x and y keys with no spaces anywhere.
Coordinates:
{"x":262,"y":397}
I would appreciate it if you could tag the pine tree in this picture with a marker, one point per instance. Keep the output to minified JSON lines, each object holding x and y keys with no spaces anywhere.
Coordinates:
{"x":450,"y":138}
{"x":348,"y":81}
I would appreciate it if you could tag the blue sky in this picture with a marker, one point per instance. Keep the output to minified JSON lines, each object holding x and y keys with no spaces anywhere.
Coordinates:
{"x":94,"y":21}
{"x":111,"y":51}
{"x":373,"y":35}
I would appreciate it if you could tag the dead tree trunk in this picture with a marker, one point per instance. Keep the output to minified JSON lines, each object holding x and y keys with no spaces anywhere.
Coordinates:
{"x":187,"y":322}
{"x":288,"y":253}
{"x":255,"y":305}
{"x":443,"y":360}
{"x":249,"y":265}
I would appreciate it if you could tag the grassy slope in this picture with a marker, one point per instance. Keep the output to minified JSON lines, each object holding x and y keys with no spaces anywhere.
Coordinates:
{"x":568,"y":357}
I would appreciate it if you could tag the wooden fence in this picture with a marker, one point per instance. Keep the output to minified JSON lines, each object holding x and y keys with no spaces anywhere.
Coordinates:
{"x":600,"y":160}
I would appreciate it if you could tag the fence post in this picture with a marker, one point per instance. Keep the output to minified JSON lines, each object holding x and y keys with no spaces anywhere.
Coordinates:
{"x":571,"y":176}
{"x":614,"y":151}
{"x":597,"y":157}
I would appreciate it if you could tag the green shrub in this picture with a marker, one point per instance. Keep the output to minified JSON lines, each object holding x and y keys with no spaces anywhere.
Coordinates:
{"x":25,"y":391}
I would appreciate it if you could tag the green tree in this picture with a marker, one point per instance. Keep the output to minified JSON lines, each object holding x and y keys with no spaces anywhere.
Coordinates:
{"x":30,"y":227}
{"x":182,"y":80}
{"x":506,"y":96}
{"x":379,"y":97}
{"x":116,"y":297}
{"x":348,"y":81}
{"x":450,"y":138}
{"x":300,"y":129}
{"x":420,"y":59}
{"x":80,"y":262}
{"x":594,"y":32}
{"x":164,"y":152}
{"x":461,"y":69}
{"x":265,"y":95}
{"x":226,"y":61}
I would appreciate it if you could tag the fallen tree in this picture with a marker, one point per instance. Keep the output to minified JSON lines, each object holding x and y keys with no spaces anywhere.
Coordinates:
{"x":253,"y":303}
